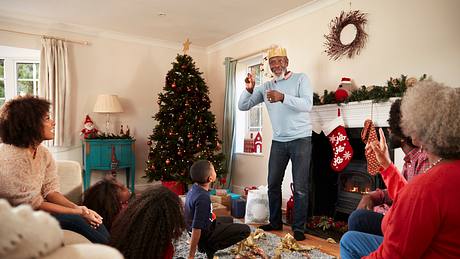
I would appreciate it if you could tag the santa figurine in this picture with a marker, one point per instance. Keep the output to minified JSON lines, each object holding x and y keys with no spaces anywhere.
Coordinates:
{"x":344,"y":90}
{"x":89,"y":130}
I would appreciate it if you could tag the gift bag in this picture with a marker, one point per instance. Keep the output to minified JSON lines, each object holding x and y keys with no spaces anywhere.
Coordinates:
{"x":290,"y":207}
{"x":257,"y":206}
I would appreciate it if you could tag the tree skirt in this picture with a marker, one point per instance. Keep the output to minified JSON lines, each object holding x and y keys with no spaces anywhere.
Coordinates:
{"x":268,"y":243}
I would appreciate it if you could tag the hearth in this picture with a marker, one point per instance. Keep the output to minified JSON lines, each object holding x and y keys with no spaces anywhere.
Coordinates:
{"x":332,"y":192}
{"x":353,"y":182}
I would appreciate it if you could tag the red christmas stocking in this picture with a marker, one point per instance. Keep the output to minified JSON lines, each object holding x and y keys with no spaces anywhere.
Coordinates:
{"x":341,"y":148}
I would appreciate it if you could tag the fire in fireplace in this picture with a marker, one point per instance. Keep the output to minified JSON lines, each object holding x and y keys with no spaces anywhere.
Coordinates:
{"x":353,"y":182}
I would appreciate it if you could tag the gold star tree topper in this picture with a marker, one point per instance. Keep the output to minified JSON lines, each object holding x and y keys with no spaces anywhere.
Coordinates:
{"x":186,"y":46}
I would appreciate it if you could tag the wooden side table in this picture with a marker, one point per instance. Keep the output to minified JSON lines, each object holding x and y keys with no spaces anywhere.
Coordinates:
{"x":97,"y":155}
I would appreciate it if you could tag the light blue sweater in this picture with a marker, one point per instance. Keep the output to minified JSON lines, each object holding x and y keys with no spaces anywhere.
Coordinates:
{"x":291,"y":118}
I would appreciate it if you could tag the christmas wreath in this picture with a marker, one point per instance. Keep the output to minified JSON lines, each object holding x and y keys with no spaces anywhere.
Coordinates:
{"x":335,"y":49}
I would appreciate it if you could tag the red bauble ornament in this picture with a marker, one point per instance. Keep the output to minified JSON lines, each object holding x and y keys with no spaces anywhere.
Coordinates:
{"x":173,"y":85}
{"x":168,"y":161}
{"x":171,"y":133}
{"x":198,"y":145}
{"x":149,"y":142}
{"x":189,"y":135}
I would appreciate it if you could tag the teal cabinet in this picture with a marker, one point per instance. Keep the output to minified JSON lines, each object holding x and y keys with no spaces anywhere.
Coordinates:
{"x":97,"y":155}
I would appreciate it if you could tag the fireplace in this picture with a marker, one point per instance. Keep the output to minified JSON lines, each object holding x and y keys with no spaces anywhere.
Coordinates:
{"x":353,"y":182}
{"x":335,"y":193}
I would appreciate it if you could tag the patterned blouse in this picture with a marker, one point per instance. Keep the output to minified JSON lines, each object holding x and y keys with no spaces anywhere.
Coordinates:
{"x":25,"y":179}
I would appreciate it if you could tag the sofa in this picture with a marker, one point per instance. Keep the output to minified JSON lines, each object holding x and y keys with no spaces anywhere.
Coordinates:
{"x":75,"y":245}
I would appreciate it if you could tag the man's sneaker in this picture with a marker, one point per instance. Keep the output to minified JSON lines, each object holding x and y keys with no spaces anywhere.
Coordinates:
{"x":299,"y":235}
{"x":269,"y":227}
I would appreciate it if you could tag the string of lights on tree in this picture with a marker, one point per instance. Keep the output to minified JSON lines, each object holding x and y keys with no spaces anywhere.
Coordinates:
{"x":186,"y":129}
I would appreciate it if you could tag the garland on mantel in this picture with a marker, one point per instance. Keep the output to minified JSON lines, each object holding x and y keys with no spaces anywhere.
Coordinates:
{"x":395,"y":88}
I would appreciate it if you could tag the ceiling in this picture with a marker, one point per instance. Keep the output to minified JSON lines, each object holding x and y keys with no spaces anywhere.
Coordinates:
{"x":205,"y":22}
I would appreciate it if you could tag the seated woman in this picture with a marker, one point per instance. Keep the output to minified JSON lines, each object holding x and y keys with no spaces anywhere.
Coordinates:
{"x":28,"y":173}
{"x":108,"y":198}
{"x":423,"y":221}
{"x":148,"y":226}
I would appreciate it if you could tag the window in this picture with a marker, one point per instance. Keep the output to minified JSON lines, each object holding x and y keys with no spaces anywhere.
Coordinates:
{"x":19,"y":72}
{"x":27,"y":78}
{"x":254,"y":117}
{"x":251,"y":121}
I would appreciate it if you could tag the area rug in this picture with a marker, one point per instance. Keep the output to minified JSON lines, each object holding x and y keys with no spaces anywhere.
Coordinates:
{"x":268,"y":243}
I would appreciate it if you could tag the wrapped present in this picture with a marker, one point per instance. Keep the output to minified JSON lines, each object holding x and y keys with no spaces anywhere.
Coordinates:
{"x":222,"y":199}
{"x":219,"y":209}
{"x":234,"y":196}
{"x":238,"y":208}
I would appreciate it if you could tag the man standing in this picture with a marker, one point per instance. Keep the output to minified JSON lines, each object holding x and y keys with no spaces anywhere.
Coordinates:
{"x":289,"y":99}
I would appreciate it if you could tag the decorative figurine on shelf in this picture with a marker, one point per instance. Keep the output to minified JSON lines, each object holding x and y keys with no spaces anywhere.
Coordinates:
{"x":249,"y":144}
{"x":121,"y":130}
{"x":344,"y":90}
{"x":127,"y":132}
{"x":258,"y":143}
{"x":89,"y":130}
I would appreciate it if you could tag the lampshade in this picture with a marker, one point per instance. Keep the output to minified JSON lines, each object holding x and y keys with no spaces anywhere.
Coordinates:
{"x":107,"y":103}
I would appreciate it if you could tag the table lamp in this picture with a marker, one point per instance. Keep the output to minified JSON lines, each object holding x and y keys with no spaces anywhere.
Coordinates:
{"x":107,"y":103}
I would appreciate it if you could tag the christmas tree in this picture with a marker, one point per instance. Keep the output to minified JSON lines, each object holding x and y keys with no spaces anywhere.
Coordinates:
{"x":186,"y":131}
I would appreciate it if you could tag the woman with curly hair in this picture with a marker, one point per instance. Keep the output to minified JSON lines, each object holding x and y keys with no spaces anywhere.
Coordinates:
{"x":28,"y":173}
{"x":108,"y":198}
{"x":424,"y":219}
{"x":148,"y":226}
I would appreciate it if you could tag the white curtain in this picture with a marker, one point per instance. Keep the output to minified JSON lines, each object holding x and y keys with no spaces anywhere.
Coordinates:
{"x":55,"y":87}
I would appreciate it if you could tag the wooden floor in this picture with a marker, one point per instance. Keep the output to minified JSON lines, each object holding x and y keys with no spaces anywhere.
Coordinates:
{"x":321,"y":244}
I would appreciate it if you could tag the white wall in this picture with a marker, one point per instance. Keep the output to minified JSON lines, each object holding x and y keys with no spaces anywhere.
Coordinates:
{"x":134,"y":71}
{"x":405,"y":37}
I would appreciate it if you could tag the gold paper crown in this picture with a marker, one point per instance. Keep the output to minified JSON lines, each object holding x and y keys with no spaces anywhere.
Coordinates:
{"x":277,"y":52}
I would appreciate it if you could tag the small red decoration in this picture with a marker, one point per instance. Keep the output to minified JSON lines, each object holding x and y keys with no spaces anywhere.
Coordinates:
{"x":149,"y":142}
{"x":258,"y":143}
{"x":89,"y":129}
{"x":168,"y":161}
{"x":189,"y":135}
{"x":173,"y":85}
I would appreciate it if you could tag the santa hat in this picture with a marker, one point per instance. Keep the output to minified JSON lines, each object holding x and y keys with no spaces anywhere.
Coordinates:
{"x":88,"y":119}
{"x":345,"y":80}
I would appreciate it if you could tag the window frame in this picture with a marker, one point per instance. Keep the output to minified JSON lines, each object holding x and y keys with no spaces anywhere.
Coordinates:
{"x":242,"y":118}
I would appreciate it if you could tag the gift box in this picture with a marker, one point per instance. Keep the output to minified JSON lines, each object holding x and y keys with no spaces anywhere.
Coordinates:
{"x":238,"y":208}
{"x":225,"y":200}
{"x":219,"y":209}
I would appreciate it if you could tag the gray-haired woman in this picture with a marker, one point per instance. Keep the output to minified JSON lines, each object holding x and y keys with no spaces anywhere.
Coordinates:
{"x":424,"y":221}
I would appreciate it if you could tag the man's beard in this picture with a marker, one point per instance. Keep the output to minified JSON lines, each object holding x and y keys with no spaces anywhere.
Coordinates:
{"x":281,"y":76}
{"x":394,"y":142}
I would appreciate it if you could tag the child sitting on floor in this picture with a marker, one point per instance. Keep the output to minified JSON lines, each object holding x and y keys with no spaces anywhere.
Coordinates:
{"x":107,"y":197}
{"x":208,"y":234}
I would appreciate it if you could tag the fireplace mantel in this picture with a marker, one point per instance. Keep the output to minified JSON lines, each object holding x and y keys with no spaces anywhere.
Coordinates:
{"x":354,"y":114}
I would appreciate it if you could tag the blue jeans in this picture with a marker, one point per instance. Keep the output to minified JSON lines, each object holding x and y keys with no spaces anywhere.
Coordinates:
{"x":299,"y":152}
{"x":77,"y":223}
{"x":356,"y":244}
{"x":366,"y":221}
